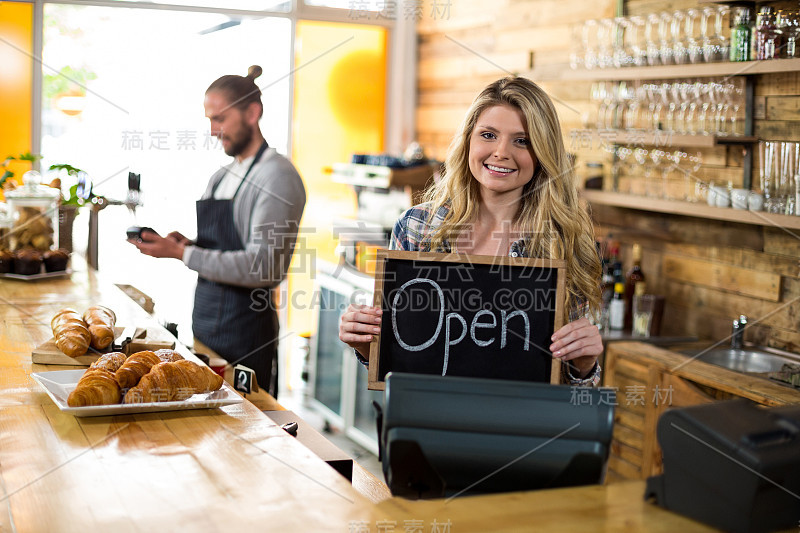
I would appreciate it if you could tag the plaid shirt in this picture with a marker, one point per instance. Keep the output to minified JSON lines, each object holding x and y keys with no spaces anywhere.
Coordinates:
{"x":412,"y":233}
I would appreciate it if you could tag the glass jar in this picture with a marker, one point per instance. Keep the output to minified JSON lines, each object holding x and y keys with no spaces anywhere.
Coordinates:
{"x":34,"y":214}
{"x":5,"y":227}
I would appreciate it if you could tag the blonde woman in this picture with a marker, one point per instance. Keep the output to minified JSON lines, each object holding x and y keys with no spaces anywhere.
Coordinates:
{"x":508,"y":189}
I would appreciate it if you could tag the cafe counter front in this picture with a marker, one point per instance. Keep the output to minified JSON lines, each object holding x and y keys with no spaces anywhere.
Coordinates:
{"x":224,"y":469}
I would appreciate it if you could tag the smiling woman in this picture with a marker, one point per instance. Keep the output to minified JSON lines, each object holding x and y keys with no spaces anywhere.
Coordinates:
{"x":508,"y":189}
{"x":500,"y":156}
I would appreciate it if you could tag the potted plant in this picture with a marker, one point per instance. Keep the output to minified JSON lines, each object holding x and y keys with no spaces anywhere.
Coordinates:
{"x":8,"y":180}
{"x":76,"y":196}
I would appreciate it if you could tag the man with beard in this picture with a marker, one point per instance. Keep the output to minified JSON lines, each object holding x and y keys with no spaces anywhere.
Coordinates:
{"x":247,"y":223}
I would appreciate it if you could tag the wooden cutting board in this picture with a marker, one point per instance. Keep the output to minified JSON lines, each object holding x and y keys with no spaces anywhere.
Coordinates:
{"x":48,"y":353}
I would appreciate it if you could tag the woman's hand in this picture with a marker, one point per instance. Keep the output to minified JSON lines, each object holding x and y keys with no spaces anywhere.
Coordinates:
{"x":578,"y":342}
{"x":358,"y":327}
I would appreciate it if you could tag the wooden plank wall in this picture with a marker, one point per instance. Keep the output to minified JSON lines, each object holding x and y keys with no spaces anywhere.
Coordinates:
{"x":483,"y":41}
{"x":709,"y":271}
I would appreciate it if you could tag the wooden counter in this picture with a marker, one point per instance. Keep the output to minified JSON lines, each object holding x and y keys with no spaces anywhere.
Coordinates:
{"x":218,"y":469}
{"x":648,"y":380}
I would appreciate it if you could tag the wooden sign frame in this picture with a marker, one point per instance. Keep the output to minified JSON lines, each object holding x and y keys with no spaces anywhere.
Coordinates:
{"x":384,"y":255}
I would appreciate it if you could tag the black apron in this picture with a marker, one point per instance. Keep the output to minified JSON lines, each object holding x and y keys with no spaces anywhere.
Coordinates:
{"x":222,"y":317}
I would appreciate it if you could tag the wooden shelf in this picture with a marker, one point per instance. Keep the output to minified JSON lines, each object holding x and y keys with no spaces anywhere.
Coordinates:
{"x":699,"y":210}
{"x":663,"y":138}
{"x":695,"y":70}
{"x":383,"y":177}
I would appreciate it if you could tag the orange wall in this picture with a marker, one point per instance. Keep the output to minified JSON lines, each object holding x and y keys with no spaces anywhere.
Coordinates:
{"x":339,"y":109}
{"x":16,"y":80}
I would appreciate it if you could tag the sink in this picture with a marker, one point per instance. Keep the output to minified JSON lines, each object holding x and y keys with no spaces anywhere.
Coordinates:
{"x":745,"y":359}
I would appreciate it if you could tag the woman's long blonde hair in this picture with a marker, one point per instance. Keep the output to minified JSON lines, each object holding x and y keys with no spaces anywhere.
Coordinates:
{"x":550,"y":218}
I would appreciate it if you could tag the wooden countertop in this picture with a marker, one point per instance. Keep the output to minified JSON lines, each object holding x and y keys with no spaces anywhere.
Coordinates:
{"x":756,"y":388}
{"x":218,"y":469}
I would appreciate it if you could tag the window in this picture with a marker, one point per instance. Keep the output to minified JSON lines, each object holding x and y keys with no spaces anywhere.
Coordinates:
{"x":123,"y":91}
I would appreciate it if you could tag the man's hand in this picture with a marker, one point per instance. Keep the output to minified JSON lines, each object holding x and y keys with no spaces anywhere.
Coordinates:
{"x":155,"y":245}
{"x":177,"y":237}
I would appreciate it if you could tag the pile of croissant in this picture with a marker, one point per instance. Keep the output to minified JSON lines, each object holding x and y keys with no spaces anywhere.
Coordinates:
{"x":74,"y":333}
{"x":161,"y":376}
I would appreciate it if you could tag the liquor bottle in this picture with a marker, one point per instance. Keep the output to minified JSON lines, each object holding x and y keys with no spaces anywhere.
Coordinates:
{"x":608,"y":284}
{"x":741,"y":36}
{"x":765,"y":29}
{"x":616,"y":310}
{"x":634,"y":284}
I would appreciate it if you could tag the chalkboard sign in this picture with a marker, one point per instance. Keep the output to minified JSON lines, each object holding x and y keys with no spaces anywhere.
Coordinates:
{"x":466,"y":315}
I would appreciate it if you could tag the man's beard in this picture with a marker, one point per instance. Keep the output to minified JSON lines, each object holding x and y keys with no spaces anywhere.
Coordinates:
{"x":237,"y":147}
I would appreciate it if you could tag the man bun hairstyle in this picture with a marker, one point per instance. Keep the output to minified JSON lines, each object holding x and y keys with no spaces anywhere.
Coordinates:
{"x":254,"y":71}
{"x":241,"y":91}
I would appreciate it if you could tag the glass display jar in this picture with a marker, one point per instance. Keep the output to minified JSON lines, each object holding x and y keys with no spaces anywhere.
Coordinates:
{"x":34,"y":214}
{"x":5,"y":226}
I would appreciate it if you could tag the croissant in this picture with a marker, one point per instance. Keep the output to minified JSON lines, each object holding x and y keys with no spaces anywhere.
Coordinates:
{"x":101,"y":322}
{"x":70,"y":332}
{"x":136,"y":366}
{"x":111,"y":361}
{"x":96,"y":387}
{"x":168,"y":382}
{"x":168,"y":356}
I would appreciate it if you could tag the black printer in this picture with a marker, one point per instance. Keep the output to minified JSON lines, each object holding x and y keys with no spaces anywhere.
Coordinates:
{"x":732,"y":465}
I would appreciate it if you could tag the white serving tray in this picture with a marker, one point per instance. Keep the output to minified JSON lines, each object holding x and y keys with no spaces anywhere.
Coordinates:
{"x":59,"y":383}
{"x":36,"y":277}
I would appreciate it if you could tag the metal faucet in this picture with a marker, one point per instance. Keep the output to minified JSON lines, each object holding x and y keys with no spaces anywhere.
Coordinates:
{"x":738,"y":332}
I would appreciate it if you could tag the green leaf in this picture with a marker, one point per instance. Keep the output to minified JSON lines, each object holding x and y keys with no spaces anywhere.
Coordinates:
{"x":27,"y":156}
{"x":72,"y":171}
{"x":73,"y":197}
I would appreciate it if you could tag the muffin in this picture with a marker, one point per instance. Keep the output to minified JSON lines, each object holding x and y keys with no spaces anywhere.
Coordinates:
{"x":56,"y":260}
{"x":6,"y":262}
{"x":27,"y":262}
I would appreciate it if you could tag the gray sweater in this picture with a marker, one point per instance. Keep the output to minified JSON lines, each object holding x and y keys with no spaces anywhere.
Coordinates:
{"x":266,"y":214}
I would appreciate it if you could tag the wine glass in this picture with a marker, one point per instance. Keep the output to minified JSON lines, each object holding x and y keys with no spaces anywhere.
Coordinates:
{"x":708,"y":44}
{"x":597,"y":96}
{"x":589,"y":40}
{"x":733,"y":94}
{"x":679,"y":174}
{"x":621,"y":170}
{"x":620,"y":27}
{"x":678,"y":30}
{"x":694,"y":37}
{"x":665,"y":52}
{"x":694,"y":185}
{"x":789,"y":155}
{"x":641,"y":156}
{"x":635,"y":42}
{"x":671,"y":94}
{"x":661,"y":100}
{"x":636,"y":117}
{"x":605,"y":54}
{"x":712,"y":107}
{"x":684,"y":93}
{"x":657,"y":156}
{"x":722,"y":42}
{"x":704,"y":101}
{"x":651,"y":29}
{"x":769,"y":167}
